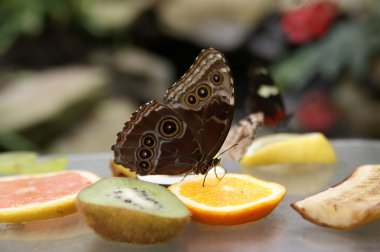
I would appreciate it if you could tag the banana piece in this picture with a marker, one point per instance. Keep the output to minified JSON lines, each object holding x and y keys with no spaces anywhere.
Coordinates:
{"x":350,"y":204}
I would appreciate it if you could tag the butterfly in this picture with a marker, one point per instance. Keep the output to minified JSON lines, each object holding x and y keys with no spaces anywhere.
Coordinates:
{"x":241,"y":136}
{"x":184,"y":132}
{"x":264,"y":96}
{"x":264,"y":103}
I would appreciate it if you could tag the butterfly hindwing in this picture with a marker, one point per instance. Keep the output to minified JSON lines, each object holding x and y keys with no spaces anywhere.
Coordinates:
{"x":149,"y":142}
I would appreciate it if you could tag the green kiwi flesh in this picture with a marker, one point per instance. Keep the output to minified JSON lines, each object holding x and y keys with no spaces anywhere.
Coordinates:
{"x":130,"y":210}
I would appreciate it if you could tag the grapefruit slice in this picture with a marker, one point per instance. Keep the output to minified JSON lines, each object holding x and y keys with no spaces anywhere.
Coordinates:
{"x":42,"y":196}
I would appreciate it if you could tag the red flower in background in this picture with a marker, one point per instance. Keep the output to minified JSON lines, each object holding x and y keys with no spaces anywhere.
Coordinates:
{"x":308,"y":22}
{"x":316,"y":112}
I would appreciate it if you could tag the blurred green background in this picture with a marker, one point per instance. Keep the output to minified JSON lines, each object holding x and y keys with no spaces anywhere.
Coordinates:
{"x":72,"y":72}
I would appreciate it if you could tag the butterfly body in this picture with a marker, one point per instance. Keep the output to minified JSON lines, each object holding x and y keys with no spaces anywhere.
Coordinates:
{"x":184,"y":132}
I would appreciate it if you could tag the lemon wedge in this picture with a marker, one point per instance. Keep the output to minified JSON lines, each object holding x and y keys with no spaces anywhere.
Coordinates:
{"x":27,"y":162}
{"x":287,"y":148}
{"x":13,"y":162}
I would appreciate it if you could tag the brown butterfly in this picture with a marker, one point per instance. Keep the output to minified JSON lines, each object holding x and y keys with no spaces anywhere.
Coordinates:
{"x":185,"y":131}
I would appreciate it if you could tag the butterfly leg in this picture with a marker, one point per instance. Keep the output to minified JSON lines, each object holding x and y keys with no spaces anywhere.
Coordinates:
{"x":187,"y":173}
{"x":204,"y":179}
{"x":224,"y":174}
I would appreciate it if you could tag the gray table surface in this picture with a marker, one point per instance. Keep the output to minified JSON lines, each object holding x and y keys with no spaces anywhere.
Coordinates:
{"x":282,"y":230}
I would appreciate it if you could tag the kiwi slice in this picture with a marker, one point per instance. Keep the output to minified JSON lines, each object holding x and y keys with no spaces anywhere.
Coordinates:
{"x":130,"y":210}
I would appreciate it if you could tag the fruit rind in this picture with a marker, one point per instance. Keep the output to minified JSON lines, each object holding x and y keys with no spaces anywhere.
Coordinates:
{"x":346,"y":205}
{"x":146,"y":228}
{"x":52,"y":209}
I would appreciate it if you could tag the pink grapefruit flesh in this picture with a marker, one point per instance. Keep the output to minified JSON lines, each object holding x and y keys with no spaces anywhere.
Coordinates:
{"x":42,"y":196}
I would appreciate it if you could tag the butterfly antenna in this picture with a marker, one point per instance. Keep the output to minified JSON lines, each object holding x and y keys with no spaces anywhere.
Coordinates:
{"x":232,"y":146}
{"x":229,"y":148}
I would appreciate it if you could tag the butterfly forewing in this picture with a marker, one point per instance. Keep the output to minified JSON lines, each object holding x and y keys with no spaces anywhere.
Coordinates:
{"x":204,"y":98}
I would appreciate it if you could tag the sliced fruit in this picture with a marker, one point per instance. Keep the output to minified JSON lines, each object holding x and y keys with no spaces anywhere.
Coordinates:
{"x":20,"y":162}
{"x":164,"y":180}
{"x":167,"y":180}
{"x":290,"y":149}
{"x":52,"y":229}
{"x":131,"y":210}
{"x":12,"y":162}
{"x":298,"y":179}
{"x":234,"y":199}
{"x":352,"y":203}
{"x":43,"y":196}
{"x":121,"y":171}
{"x":43,"y":166}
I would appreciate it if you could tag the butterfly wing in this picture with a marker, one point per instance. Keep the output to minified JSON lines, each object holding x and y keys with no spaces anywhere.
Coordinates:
{"x":156,"y":141}
{"x":185,"y":131}
{"x":241,"y":136}
{"x":204,"y":99}
{"x":265,"y":96}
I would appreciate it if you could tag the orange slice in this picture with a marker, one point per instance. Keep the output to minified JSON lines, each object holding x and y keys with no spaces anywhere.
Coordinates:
{"x":235,"y":199}
{"x":43,"y":196}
